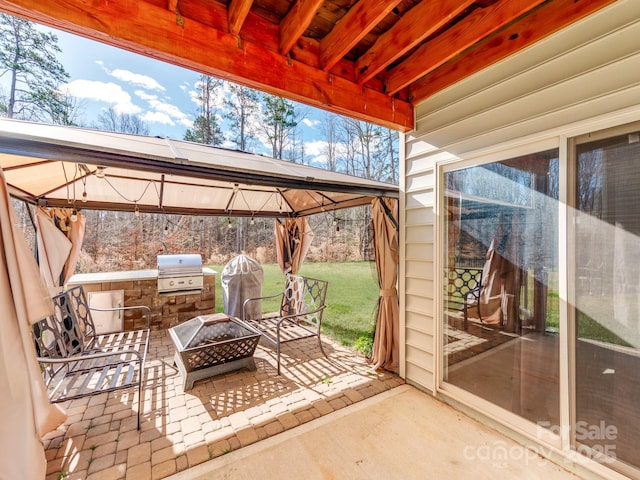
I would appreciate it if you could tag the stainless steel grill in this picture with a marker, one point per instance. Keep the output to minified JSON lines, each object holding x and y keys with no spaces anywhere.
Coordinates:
{"x":180,"y":273}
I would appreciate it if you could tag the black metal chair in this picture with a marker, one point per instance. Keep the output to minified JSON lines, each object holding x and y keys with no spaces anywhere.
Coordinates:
{"x":77,"y":362}
{"x":302,"y":304}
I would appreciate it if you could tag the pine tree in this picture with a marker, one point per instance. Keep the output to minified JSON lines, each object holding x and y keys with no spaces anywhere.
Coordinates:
{"x":28,"y":57}
{"x":279,"y":122}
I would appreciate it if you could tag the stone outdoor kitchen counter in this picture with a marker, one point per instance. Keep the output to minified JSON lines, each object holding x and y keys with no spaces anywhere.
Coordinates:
{"x":140,"y":288}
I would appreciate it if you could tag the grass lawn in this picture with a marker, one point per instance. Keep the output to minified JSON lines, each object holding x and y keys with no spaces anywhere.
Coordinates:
{"x":593,"y":315}
{"x":352,"y":296}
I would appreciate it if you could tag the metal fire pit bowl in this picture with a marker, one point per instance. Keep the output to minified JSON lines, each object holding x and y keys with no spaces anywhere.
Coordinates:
{"x":210,"y":345}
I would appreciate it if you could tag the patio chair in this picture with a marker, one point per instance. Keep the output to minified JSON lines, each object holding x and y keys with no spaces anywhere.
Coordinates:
{"x":472,"y":300}
{"x":302,"y":303}
{"x":76,"y":362}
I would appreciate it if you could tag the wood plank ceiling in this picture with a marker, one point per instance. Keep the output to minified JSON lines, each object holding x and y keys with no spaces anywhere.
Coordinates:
{"x":369,"y":59}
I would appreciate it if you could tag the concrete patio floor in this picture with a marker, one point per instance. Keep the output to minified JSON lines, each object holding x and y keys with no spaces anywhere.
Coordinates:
{"x":323,"y":418}
{"x":402,"y":434}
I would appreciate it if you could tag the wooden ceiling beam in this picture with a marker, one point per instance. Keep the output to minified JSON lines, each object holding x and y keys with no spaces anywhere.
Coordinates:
{"x":238,"y":11}
{"x":350,"y":29}
{"x":193,"y":45}
{"x":545,"y":21}
{"x":415,"y":25}
{"x":479,"y":24}
{"x":296,"y":22}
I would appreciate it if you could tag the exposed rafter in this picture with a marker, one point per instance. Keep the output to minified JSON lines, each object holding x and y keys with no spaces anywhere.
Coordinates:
{"x":480,"y":24}
{"x":367,"y":59}
{"x":238,"y":11}
{"x":358,"y":21}
{"x":194,"y":45}
{"x":545,"y":21}
{"x":296,"y":22}
{"x":417,"y":24}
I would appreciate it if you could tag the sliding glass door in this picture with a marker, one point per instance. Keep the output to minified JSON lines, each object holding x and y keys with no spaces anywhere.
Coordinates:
{"x":541,"y":315}
{"x":607,"y":296}
{"x":500,"y":278}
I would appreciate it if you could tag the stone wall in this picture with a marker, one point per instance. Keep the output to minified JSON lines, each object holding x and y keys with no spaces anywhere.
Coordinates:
{"x":166,"y":310}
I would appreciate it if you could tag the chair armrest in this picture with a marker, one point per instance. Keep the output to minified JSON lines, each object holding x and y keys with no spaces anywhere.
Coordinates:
{"x":302,"y":314}
{"x":253,"y":299}
{"x":89,"y":356}
{"x":147,"y":311}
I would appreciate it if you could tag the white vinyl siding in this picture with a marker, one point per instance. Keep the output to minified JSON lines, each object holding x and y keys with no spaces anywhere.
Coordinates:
{"x":588,"y":70}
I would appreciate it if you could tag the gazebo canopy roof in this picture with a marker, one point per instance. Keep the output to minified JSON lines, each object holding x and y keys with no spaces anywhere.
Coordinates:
{"x":55,"y":166}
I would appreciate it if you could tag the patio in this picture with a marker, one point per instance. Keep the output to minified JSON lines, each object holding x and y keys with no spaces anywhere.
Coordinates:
{"x":219,"y":415}
{"x":297,"y":425}
{"x":375,"y":440}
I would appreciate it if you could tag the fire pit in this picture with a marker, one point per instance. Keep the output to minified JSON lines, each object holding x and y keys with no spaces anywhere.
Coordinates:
{"x":210,"y":345}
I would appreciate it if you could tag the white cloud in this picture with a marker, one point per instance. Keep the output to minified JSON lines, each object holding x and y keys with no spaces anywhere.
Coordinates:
{"x":316,"y":150}
{"x":193,"y":95}
{"x":158,"y":117}
{"x":106,"y":92}
{"x":145,"y":96}
{"x":315,"y":147}
{"x":167,"y":109}
{"x":310,"y":122}
{"x":143,"y":81}
{"x":162,"y":112}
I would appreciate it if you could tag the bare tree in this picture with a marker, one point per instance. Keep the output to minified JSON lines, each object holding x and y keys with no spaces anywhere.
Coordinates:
{"x":112,"y":121}
{"x":348,"y":138}
{"x":206,"y":127}
{"x":329,"y":128}
{"x":366,"y":137}
{"x":388,"y":156}
{"x":295,"y":149}
{"x":370,"y":151}
{"x":242,"y":107}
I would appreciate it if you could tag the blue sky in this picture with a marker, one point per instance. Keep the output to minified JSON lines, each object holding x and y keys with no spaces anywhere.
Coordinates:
{"x":161,"y":94}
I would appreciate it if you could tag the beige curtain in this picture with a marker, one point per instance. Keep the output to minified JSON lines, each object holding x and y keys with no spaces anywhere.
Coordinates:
{"x":25,"y":411}
{"x":386,"y":348}
{"x":75,"y":233}
{"x":293,"y":239}
{"x":59,"y":243}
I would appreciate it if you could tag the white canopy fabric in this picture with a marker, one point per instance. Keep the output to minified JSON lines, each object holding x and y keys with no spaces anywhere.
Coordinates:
{"x":61,"y":166}
{"x":25,"y":411}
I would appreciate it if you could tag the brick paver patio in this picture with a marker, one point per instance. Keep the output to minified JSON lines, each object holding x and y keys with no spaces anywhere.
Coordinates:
{"x":181,"y":429}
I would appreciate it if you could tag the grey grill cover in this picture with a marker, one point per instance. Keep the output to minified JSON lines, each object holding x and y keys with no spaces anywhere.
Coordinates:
{"x":242,"y":278}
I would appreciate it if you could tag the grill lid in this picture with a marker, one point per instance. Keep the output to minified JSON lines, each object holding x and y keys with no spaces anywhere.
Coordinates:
{"x":176,"y":265}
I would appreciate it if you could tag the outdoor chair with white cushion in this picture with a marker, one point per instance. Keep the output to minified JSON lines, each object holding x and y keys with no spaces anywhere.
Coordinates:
{"x":302,"y":303}
{"x":76,"y":362}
